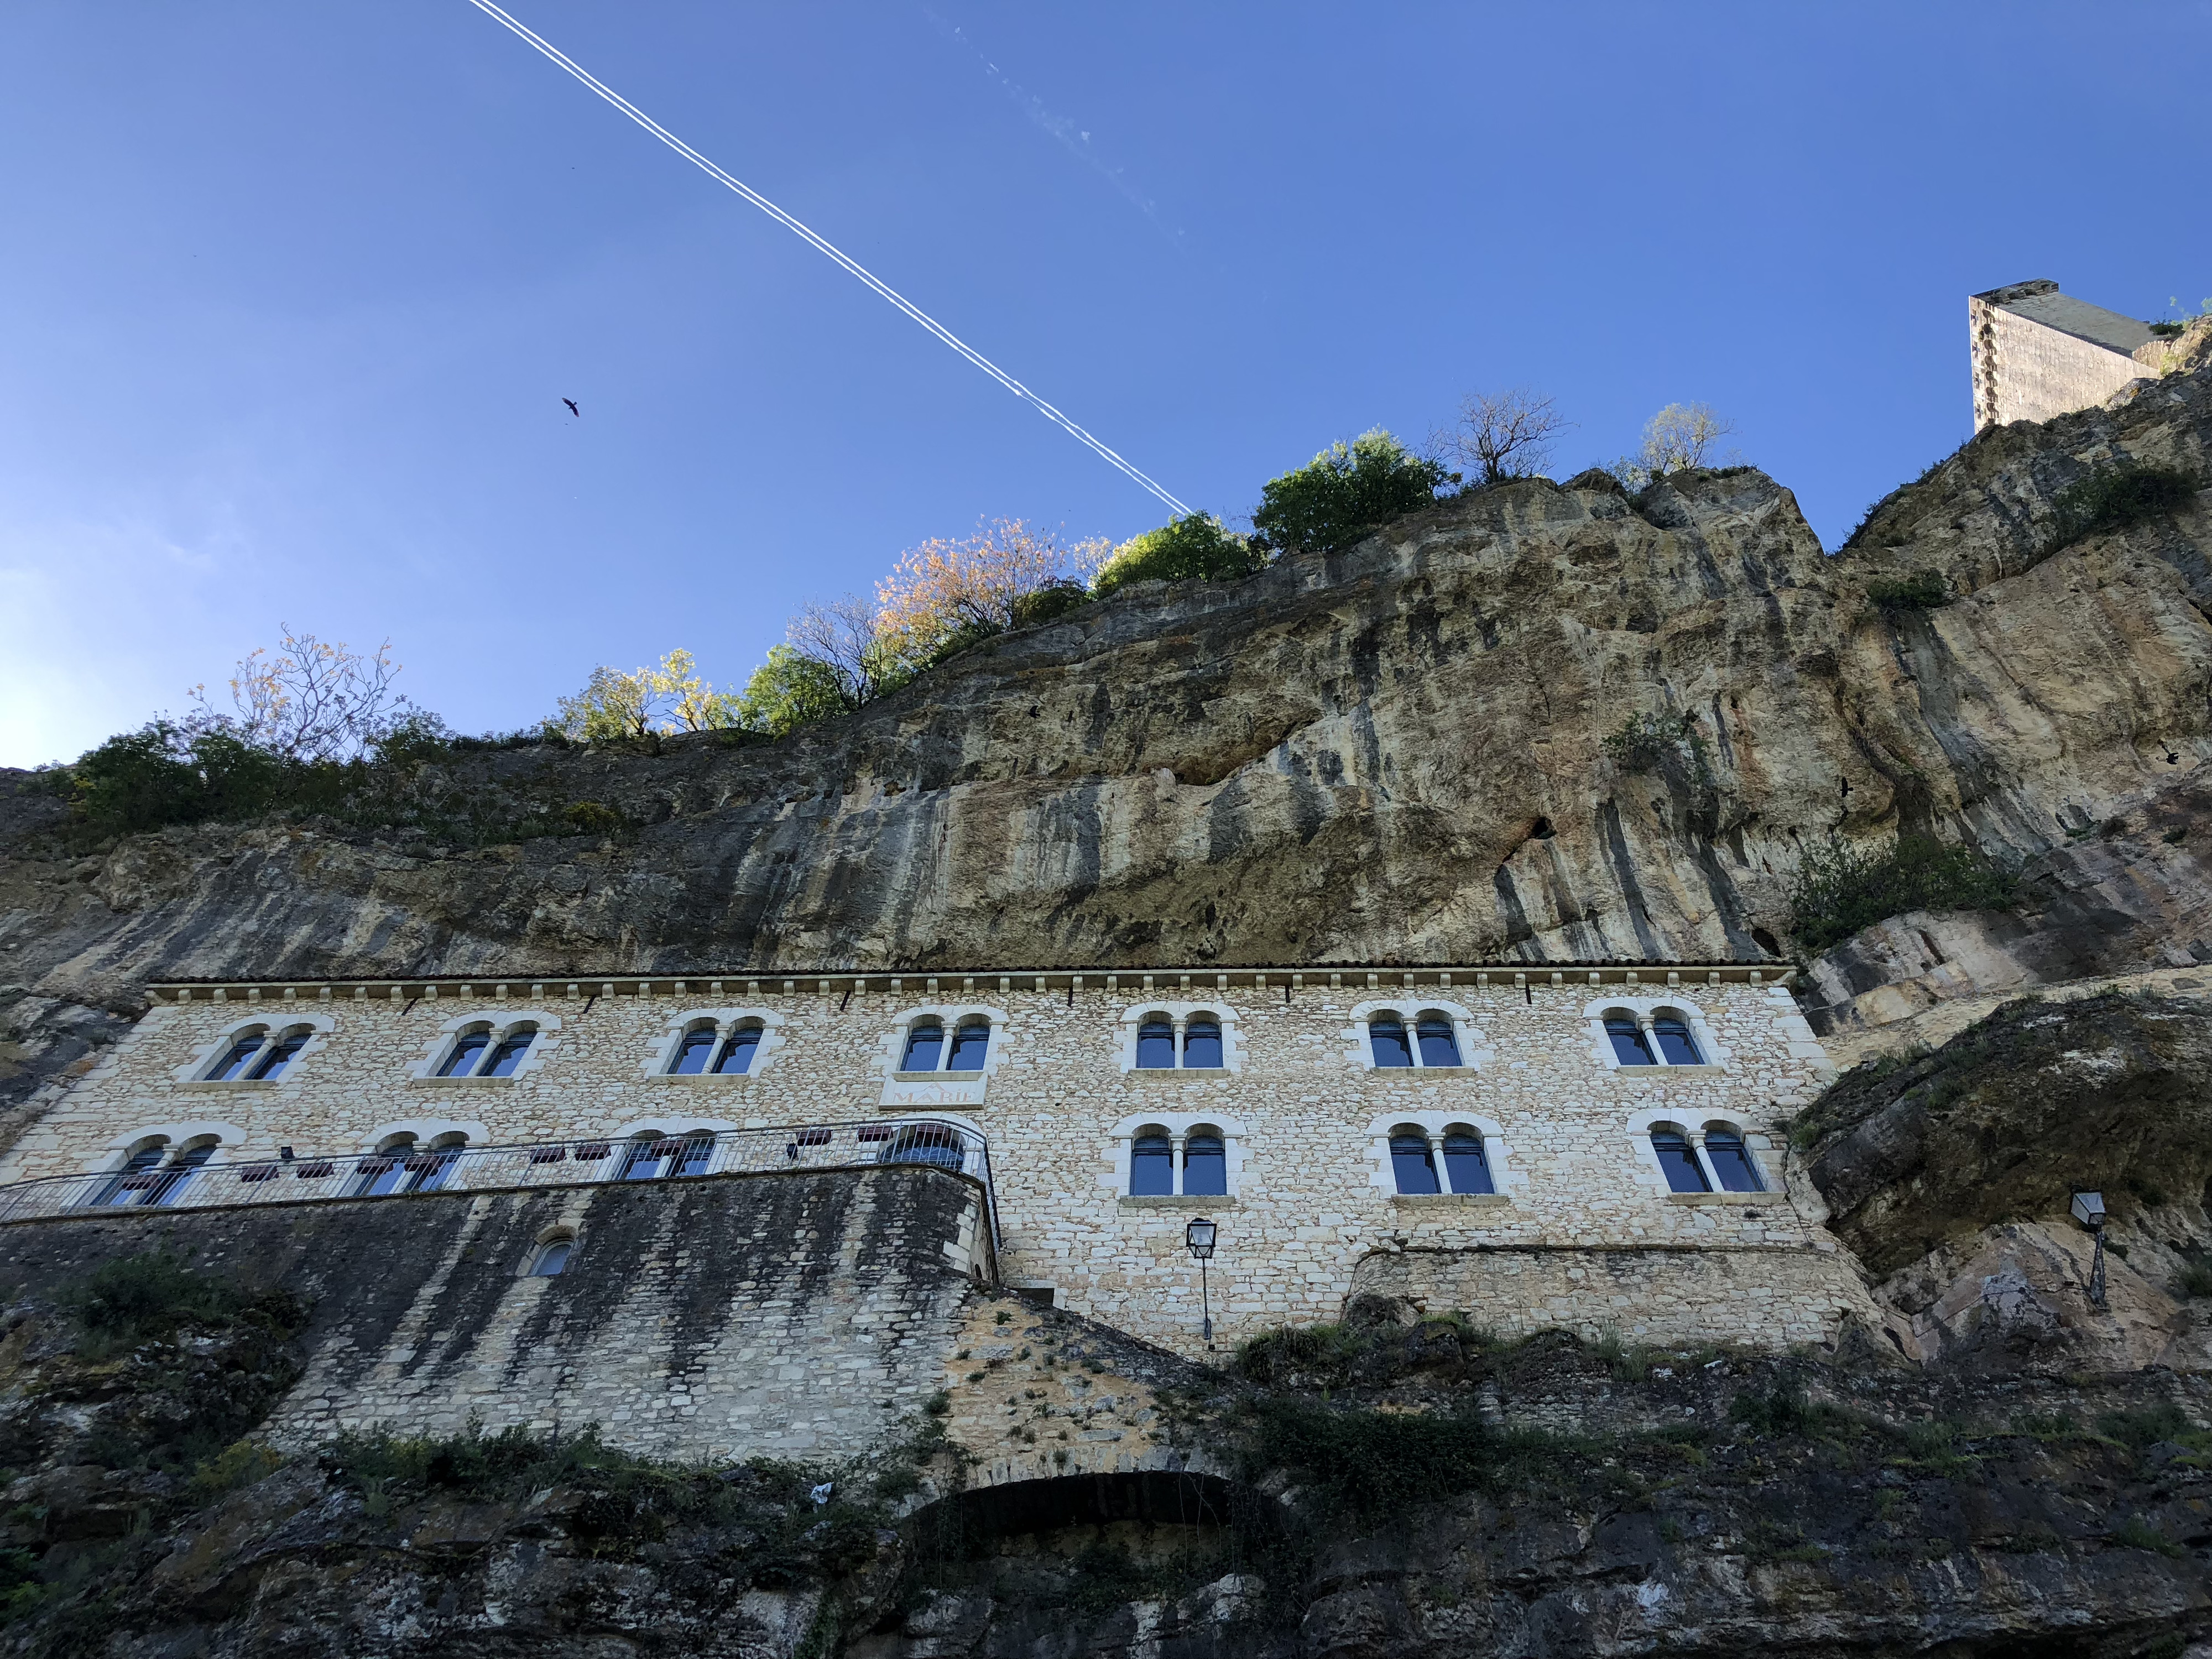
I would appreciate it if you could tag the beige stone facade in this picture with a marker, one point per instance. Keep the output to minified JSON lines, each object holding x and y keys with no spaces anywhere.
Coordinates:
{"x":1304,"y":1113}
{"x":2038,"y":353}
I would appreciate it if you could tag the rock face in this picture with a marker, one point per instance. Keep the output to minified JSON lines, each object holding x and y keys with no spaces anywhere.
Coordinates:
{"x":1370,"y":1512}
{"x":1396,"y":753}
{"x":1950,"y":1177}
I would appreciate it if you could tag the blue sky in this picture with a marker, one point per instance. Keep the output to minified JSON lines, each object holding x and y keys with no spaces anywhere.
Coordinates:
{"x":290,"y":295}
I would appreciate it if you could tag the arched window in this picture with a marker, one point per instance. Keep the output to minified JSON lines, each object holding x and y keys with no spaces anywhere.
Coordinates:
{"x":924,"y":1043}
{"x":934,"y":1143}
{"x":1675,"y":1041}
{"x":1464,"y":1163}
{"x":425,"y":1171}
{"x":695,"y":1051}
{"x":1732,"y":1160}
{"x":1156,"y":1044}
{"x":511,"y":1048}
{"x":648,"y":1156}
{"x":173,"y":1178}
{"x":1152,"y":1165}
{"x":280,"y":1054}
{"x":1201,"y":1043}
{"x":550,"y":1260}
{"x":468,"y":1049}
{"x":694,"y":1154}
{"x":238,"y":1055}
{"x":1205,"y":1164}
{"x":737,"y":1053}
{"x":1439,"y":1042}
{"x":1629,"y":1045}
{"x":969,"y":1044}
{"x":131,"y":1183}
{"x":1386,"y":1037}
{"x":1678,"y":1159}
{"x":1412,"y":1159}
{"x":386,"y":1171}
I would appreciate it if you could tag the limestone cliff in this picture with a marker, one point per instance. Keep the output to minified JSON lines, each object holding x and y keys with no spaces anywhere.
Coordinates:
{"x":1392,"y":754}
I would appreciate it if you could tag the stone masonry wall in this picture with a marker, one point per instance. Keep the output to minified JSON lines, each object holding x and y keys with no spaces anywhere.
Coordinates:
{"x":1758,"y":1297}
{"x":794,"y":1316}
{"x":2025,"y":371}
{"x":1305,"y":1116}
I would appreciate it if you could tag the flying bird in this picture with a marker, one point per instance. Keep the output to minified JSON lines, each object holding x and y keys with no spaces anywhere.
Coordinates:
{"x":573,"y":410}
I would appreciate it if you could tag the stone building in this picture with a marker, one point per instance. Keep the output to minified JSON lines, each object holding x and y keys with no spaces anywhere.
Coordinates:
{"x":2038,"y":353}
{"x":1580,"y":1148}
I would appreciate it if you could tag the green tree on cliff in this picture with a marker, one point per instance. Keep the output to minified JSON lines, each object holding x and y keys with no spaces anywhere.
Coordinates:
{"x":1343,"y":492}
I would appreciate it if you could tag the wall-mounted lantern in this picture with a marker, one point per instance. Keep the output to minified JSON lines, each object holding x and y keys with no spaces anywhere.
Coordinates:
{"x":1199,"y":1237}
{"x":2089,"y":1211}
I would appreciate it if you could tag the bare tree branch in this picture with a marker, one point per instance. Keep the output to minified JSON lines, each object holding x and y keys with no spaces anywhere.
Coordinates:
{"x":1503,"y":434}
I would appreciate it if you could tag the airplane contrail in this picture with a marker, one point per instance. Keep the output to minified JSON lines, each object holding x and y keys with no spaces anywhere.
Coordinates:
{"x":825,"y":247}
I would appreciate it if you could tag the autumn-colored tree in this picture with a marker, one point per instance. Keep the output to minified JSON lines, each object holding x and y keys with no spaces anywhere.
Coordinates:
{"x":946,"y":591}
{"x":673,"y":697}
{"x":307,"y":701}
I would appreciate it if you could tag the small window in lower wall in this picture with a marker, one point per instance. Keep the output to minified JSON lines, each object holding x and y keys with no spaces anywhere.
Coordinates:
{"x":551,"y":1258}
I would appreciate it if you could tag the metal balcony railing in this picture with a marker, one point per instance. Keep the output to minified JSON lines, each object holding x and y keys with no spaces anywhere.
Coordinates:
{"x":930,"y":1142}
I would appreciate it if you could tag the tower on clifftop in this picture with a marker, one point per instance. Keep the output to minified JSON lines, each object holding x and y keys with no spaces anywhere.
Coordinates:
{"x":2038,"y":353}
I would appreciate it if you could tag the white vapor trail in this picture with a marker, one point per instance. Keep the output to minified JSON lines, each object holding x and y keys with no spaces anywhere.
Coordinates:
{"x":825,"y":247}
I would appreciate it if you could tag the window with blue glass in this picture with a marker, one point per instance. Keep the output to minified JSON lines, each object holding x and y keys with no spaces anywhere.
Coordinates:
{"x":1152,"y":1165}
{"x":1439,"y":1043}
{"x":1156,"y":1044}
{"x":174,"y":1179}
{"x":507,"y":1056}
{"x":1679,"y":1160}
{"x":468,"y":1049}
{"x":1675,"y":1043}
{"x":1201,"y":1043}
{"x":1386,"y":1037}
{"x":137,"y":1178}
{"x":695,"y":1052}
{"x":1205,"y":1164}
{"x":969,"y":1044}
{"x":277,"y":1058}
{"x":737,"y":1055}
{"x":1630,"y":1045}
{"x":238,"y":1055}
{"x":1465,"y":1161}
{"x":925,"y":1043}
{"x":937,"y":1145}
{"x":1732,"y":1160}
{"x":1412,"y":1160}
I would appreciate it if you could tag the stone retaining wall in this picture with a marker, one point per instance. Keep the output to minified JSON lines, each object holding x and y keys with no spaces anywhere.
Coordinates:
{"x":1770,"y":1298}
{"x":791,"y":1315}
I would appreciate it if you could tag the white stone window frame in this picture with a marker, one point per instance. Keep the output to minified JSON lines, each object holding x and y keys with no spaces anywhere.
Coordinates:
{"x":1120,"y":1148}
{"x":193,"y":1074}
{"x":1180,"y":1014}
{"x":1651,"y":1173}
{"x":173,"y":1137}
{"x":425,"y":1132}
{"x":661,"y":1054}
{"x":1474,"y":1052}
{"x":927,"y":1093}
{"x":1643,"y":1010}
{"x":501,"y":1023}
{"x":1506,"y":1181}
